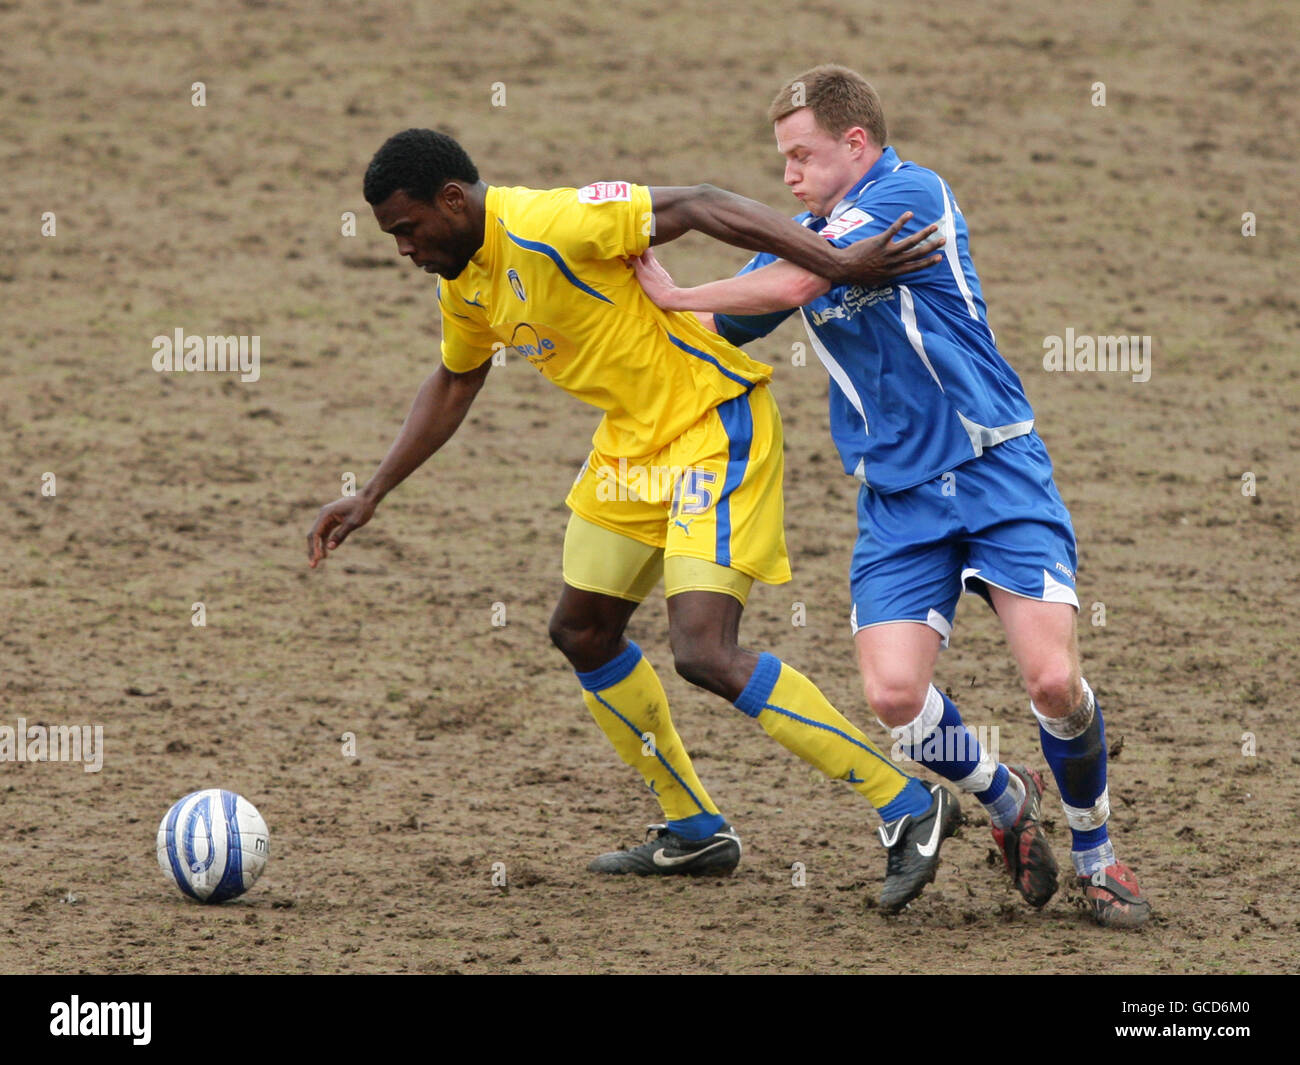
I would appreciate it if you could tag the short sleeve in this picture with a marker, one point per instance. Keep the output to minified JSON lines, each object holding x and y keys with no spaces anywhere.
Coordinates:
{"x":467,"y":342}
{"x":603,"y":220}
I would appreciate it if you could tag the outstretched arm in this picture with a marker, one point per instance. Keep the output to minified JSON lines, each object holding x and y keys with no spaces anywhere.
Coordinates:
{"x":779,"y":286}
{"x":754,"y":226}
{"x":439,"y":407}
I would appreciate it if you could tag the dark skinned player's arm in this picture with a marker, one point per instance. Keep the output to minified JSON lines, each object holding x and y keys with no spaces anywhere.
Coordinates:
{"x":439,"y":408}
{"x":754,"y":226}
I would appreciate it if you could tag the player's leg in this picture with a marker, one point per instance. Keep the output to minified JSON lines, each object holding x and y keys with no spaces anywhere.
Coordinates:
{"x":704,"y":628}
{"x":1044,"y":641}
{"x":1021,"y":556}
{"x":905,"y":582}
{"x":588,"y":626}
{"x":897,"y":661}
{"x":607,"y":574}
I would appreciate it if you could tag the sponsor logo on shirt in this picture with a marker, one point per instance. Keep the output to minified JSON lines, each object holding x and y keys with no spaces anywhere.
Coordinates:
{"x":855,"y":299}
{"x":539,"y":353}
{"x":605,"y":191}
{"x":846,"y":223}
{"x":512,"y":275}
{"x":536,"y":352}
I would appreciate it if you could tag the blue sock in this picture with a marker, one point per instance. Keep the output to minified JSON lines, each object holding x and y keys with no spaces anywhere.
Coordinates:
{"x":1075,"y":749}
{"x":697,"y":826}
{"x":990,"y":795}
{"x":914,"y":799}
{"x":940,"y":741}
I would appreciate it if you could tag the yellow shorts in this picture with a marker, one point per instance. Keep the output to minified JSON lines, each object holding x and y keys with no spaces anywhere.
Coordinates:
{"x":712,"y":495}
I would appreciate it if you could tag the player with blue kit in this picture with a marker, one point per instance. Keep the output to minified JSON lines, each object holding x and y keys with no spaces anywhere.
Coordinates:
{"x":957,"y":491}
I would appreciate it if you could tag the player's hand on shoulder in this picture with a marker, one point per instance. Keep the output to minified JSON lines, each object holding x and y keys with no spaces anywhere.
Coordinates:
{"x":872,"y":261}
{"x":333,"y":524}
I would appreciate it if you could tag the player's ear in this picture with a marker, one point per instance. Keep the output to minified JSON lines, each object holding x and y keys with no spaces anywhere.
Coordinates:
{"x":857,"y":138}
{"x":452,"y":196}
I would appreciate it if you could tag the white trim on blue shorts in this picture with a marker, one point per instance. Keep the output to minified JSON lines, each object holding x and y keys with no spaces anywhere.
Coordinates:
{"x":934,"y":619}
{"x":1053,"y":590}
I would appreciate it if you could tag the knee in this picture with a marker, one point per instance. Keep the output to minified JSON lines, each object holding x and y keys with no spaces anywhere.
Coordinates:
{"x":895,"y":701}
{"x":710,"y":666}
{"x":585,"y":645}
{"x":697,"y":664}
{"x":1054,"y":687}
{"x":693,"y":667}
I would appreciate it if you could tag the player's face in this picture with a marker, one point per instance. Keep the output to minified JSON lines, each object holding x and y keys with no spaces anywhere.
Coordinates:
{"x":436,"y":236}
{"x":820,"y":168}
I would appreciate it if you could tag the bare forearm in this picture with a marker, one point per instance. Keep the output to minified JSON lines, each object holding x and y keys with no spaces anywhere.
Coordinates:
{"x":747,"y":224}
{"x":700,"y":298}
{"x":870,"y":261}
{"x":439,"y":408}
{"x":778,"y":286}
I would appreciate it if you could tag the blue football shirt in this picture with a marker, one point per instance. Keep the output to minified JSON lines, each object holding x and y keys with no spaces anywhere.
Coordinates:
{"x":917,"y":383}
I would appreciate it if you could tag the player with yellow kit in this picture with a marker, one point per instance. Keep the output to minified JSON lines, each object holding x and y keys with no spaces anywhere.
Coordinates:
{"x":683,"y":481}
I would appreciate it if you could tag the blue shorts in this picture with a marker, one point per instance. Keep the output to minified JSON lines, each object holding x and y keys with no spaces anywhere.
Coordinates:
{"x":995,"y":520}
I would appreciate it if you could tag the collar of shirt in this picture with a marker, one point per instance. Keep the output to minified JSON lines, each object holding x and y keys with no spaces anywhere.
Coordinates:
{"x":886,"y":164}
{"x":481,"y":257}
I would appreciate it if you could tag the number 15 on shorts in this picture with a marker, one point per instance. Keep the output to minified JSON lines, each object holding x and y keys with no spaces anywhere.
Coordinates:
{"x":693,"y":494}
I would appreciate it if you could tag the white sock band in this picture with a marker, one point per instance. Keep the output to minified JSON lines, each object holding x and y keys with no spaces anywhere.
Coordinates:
{"x":1081,"y":818}
{"x":981,"y":776}
{"x":1075,"y":723}
{"x":913,"y":734}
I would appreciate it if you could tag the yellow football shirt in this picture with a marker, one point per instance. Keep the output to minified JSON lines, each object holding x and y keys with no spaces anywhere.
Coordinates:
{"x":551,"y":283}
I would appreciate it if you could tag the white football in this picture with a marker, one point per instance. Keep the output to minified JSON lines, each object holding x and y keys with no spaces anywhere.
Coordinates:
{"x":213,"y":845}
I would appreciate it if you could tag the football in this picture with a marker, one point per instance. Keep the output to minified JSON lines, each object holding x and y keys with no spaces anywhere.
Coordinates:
{"x":213,"y":845}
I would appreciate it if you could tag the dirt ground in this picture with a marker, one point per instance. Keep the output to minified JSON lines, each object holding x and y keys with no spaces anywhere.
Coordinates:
{"x":472,"y":744}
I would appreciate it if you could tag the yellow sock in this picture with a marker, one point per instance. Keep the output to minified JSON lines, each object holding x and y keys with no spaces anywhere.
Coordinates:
{"x":628,"y":702}
{"x":794,"y":712}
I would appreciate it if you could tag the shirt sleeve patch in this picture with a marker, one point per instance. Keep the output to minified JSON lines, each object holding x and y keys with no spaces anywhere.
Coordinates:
{"x":605,"y":191}
{"x":846,"y":223}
